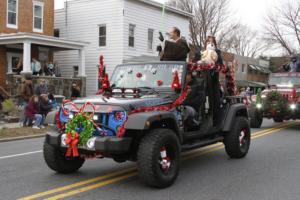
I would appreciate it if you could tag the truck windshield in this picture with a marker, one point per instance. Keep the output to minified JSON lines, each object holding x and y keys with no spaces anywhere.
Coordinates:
{"x":145,"y":75}
{"x":285,"y":80}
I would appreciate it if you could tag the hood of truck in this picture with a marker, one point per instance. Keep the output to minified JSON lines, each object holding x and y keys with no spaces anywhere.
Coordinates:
{"x":103,"y":103}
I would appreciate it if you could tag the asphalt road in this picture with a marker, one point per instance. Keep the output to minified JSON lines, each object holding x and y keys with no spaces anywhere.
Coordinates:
{"x":271,"y":171}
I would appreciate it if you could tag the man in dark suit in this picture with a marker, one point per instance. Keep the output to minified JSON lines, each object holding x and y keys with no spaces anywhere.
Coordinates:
{"x":175,"y":49}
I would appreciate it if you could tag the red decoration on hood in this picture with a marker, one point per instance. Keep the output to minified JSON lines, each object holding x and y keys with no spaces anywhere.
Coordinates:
{"x":139,"y":75}
{"x":160,"y":82}
{"x":176,"y":84}
{"x":105,"y":83}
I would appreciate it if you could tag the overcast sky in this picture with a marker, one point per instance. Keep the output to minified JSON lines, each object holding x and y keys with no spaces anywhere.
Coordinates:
{"x":250,"y":12}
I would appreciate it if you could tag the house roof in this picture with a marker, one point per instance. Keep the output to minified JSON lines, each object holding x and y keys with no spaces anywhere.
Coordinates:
{"x":260,"y":68}
{"x":16,"y":38}
{"x":168,"y":8}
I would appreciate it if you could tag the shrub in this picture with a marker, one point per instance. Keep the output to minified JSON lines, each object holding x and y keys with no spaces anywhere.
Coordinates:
{"x":8,"y":106}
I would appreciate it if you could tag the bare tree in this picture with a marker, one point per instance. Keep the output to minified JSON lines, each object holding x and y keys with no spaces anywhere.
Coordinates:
{"x":283,"y":26}
{"x":209,"y":17}
{"x":242,"y":40}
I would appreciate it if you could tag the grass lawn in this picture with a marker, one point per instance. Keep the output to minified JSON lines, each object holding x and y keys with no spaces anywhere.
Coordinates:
{"x":18,"y":132}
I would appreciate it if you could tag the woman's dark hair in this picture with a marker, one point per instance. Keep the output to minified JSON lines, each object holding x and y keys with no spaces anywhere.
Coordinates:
{"x":213,"y":40}
{"x":32,"y":98}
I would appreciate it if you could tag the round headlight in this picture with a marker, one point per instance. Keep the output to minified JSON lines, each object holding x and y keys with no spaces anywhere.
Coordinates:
{"x":91,"y":143}
{"x":293,"y":106}
{"x":95,"y":117}
{"x":259,"y":106}
{"x":63,"y":140}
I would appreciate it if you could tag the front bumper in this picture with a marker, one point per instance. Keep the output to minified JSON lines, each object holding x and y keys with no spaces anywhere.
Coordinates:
{"x":103,"y":145}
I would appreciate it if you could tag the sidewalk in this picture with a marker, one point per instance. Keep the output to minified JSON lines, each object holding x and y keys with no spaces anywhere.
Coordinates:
{"x":4,"y":125}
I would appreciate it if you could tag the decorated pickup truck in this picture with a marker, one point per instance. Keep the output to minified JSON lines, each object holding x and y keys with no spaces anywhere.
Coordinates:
{"x":280,"y":101}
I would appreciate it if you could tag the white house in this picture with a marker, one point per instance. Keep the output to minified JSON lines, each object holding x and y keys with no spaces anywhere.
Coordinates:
{"x":116,"y":29}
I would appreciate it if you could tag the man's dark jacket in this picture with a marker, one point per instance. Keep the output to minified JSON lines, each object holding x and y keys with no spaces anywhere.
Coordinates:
{"x":175,"y":51}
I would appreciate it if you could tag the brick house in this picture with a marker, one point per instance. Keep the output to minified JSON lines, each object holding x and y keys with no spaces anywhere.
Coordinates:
{"x":27,"y":32}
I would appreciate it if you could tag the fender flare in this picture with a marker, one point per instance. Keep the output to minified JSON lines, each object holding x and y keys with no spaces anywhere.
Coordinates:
{"x":50,"y":118}
{"x":233,"y":112}
{"x":144,"y":121}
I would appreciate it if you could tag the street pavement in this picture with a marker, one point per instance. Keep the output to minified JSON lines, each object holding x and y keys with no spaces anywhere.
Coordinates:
{"x":271,"y":171}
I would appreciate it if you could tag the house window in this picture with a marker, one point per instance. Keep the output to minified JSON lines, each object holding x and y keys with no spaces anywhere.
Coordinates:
{"x":150,"y":39}
{"x":243,"y":68}
{"x":131,"y":35}
{"x":38,"y":16}
{"x":56,"y":32}
{"x":102,"y":35}
{"x":12,"y":13}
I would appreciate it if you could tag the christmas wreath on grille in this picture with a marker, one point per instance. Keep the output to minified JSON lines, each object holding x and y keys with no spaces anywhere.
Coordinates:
{"x":276,"y":103}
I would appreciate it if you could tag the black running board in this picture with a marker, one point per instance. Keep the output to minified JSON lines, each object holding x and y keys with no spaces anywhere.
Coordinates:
{"x":201,"y":143}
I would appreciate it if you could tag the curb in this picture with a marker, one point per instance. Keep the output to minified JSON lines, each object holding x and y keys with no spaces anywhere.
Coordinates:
{"x":22,"y":138}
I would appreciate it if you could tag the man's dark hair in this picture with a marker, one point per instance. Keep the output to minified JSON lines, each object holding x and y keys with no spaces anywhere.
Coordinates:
{"x":177,"y":31}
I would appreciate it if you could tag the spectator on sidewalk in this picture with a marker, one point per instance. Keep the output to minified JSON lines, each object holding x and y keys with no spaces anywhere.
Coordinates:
{"x":42,"y":88}
{"x":31,"y":113}
{"x":44,"y":106}
{"x":27,"y":90}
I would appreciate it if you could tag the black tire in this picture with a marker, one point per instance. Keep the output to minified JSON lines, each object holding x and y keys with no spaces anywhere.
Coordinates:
{"x":256,"y":118}
{"x":150,"y":170}
{"x":277,"y":119}
{"x":233,"y":146}
{"x":57,"y":161}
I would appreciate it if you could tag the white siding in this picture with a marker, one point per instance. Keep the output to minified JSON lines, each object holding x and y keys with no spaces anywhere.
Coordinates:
{"x":83,"y":18}
{"x":145,"y":16}
{"x":81,"y":23}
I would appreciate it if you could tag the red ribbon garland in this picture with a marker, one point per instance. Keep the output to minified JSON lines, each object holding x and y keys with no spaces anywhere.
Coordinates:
{"x":217,"y":67}
{"x":168,"y":107}
{"x":72,"y":143}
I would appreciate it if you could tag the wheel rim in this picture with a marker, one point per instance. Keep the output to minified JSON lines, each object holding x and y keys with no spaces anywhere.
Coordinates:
{"x":165,"y":159}
{"x":242,"y":138}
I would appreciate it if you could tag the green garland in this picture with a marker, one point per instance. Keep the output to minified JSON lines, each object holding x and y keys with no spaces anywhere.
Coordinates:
{"x":276,"y":102}
{"x":81,"y":121}
{"x":258,"y":96}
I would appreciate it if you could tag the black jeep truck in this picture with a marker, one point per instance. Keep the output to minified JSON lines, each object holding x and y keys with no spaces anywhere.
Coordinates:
{"x":153,"y":138}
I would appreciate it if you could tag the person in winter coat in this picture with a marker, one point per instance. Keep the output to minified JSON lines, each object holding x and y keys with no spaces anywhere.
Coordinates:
{"x":42,"y":88}
{"x":294,"y":64}
{"x":175,"y":49}
{"x":32,"y":113}
{"x":44,"y":106}
{"x":215,"y":83}
{"x":27,"y":90}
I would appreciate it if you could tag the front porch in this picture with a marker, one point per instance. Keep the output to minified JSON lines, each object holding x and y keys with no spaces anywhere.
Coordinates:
{"x":24,"y":47}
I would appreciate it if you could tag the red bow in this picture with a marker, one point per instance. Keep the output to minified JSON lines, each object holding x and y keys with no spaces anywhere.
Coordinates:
{"x":72,"y":145}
